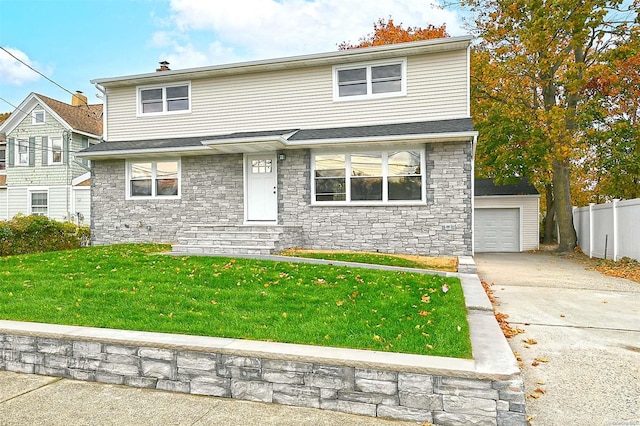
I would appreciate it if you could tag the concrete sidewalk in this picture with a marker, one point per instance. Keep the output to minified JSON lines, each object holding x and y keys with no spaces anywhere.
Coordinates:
{"x":587,"y":332}
{"x":27,"y":399}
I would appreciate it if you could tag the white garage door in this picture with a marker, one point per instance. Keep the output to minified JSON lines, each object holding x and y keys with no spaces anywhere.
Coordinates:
{"x":497,"y":230}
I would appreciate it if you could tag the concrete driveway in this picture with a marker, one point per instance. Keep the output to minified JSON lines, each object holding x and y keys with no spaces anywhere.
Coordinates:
{"x":587,"y":329}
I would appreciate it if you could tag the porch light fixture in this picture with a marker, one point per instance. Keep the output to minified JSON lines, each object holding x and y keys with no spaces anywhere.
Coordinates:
{"x":282,"y":156}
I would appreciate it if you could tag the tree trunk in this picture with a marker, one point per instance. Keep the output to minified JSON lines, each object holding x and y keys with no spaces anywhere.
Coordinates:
{"x":562,"y":199}
{"x":550,"y":218}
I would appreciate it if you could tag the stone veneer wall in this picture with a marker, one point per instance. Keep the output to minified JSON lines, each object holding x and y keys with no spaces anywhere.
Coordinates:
{"x":387,"y":228}
{"x":212,"y":193}
{"x":442,"y":398}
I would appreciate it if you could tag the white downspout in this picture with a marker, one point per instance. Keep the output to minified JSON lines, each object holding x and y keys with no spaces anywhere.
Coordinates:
{"x":104,"y":110}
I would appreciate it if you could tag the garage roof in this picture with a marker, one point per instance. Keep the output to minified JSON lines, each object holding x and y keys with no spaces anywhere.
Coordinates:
{"x":487,"y":187}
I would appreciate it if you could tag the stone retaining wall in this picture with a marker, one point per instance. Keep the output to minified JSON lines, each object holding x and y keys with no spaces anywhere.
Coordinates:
{"x":486,"y":390}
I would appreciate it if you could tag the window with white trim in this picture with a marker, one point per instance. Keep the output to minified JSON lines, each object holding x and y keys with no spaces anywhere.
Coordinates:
{"x":37,"y":116}
{"x":164,"y":99}
{"x":55,"y":150}
{"x":3,"y":157}
{"x":369,"y":177}
{"x":39,"y":203}
{"x":370,"y":80}
{"x":22,"y":152}
{"x":153,"y":179}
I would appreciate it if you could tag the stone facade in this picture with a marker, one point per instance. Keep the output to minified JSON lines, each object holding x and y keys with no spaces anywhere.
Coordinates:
{"x":439,"y":398}
{"x":213,"y":193}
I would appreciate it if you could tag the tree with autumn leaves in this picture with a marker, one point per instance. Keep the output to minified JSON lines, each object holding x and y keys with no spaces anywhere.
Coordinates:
{"x":539,"y":69}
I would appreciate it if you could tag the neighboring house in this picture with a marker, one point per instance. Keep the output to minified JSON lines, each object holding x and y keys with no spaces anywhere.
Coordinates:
{"x":507,"y":217}
{"x":366,"y":149}
{"x":38,"y":170}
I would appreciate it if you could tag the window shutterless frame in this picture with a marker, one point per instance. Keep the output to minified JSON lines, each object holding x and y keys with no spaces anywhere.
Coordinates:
{"x":37,"y":116}
{"x":174,"y":98}
{"x":153,"y":179}
{"x":372,"y":177}
{"x":370,"y":80}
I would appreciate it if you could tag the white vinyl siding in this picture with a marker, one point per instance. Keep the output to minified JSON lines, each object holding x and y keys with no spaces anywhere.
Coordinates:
{"x":529,"y":215}
{"x":4,"y":206}
{"x":58,"y":200}
{"x":81,"y":204}
{"x":437,"y":89}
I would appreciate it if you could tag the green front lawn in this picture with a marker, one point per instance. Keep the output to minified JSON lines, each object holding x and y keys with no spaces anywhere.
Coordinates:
{"x":129,"y":287}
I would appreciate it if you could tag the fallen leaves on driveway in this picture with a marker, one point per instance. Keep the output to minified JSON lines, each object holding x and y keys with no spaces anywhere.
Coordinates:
{"x":507,"y":330}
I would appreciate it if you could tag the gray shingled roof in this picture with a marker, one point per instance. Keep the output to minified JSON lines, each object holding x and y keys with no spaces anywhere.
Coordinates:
{"x":419,"y":128}
{"x":299,"y":135}
{"x":487,"y":187}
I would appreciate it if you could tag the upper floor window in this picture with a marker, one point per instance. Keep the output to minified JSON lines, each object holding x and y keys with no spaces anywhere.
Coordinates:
{"x":55,"y":150}
{"x":152,"y":179}
{"x":3,"y":157}
{"x":370,"y":80}
{"x":22,"y":152}
{"x":37,"y":116}
{"x":164,"y":99}
{"x":369,"y":177}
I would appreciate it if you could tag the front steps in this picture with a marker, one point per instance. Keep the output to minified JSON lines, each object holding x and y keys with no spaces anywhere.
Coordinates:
{"x":235,"y":239}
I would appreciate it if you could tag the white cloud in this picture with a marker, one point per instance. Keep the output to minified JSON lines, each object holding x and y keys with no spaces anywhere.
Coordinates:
{"x":258,"y":29}
{"x":12,"y":71}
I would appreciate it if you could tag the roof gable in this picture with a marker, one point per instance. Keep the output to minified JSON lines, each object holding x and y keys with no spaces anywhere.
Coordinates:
{"x":83,"y":118}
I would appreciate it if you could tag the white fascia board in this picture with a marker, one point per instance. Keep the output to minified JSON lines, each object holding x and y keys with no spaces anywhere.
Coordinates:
{"x":239,"y":141}
{"x":127,"y":153}
{"x":383,"y":139}
{"x":507,"y":196}
{"x":89,"y":135}
{"x":80,"y":178}
{"x":24,"y":111}
{"x":327,"y":58}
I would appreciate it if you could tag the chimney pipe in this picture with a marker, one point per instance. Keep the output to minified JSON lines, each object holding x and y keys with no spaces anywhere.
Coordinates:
{"x":164,"y":66}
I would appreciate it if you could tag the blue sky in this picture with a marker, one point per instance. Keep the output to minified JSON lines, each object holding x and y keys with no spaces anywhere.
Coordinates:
{"x":74,"y":41}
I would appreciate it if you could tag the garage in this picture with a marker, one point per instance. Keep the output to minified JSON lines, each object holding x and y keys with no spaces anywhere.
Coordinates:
{"x":497,"y":230}
{"x":506,"y":217}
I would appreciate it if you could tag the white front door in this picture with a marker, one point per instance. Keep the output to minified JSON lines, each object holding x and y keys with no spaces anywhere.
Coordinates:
{"x":262,"y":197}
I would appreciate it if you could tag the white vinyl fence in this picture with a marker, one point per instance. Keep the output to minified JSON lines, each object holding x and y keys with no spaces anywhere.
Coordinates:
{"x":610,"y":230}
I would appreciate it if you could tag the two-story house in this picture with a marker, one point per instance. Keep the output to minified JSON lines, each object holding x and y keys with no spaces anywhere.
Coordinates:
{"x":38,"y":170}
{"x":367,"y":149}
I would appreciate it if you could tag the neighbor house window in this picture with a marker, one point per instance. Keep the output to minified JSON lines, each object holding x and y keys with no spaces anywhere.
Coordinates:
{"x":3,"y":157}
{"x":37,"y":117}
{"x":370,"y":80}
{"x":22,"y":152}
{"x":153,"y":179}
{"x":164,"y":99}
{"x":39,"y":203}
{"x":55,"y":150}
{"x":369,"y":177}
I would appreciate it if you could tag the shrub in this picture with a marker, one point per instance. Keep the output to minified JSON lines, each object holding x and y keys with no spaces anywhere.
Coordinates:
{"x":36,"y":234}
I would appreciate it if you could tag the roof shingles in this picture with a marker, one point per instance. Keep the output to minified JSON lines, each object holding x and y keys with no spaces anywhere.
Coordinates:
{"x":85,"y":118}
